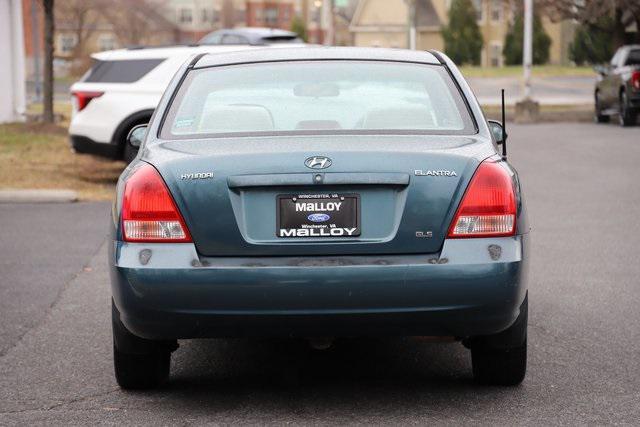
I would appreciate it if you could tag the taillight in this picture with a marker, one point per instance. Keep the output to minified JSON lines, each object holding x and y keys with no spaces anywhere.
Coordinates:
{"x":83,"y":98}
{"x":488,"y":208}
{"x":149,"y":213}
{"x":635,"y":80}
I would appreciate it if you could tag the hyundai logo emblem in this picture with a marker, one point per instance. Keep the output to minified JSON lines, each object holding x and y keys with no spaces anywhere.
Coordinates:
{"x":318,"y":162}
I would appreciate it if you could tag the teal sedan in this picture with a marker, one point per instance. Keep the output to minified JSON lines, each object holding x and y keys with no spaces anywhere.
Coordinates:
{"x":319,"y":193}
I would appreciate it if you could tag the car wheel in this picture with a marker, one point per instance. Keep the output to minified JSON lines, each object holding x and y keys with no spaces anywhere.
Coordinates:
{"x":499,"y":366}
{"x":129,"y":153}
{"x":599,"y":117}
{"x":501,"y":359}
{"x":141,"y":371}
{"x":627,"y":115}
{"x":139,"y":363}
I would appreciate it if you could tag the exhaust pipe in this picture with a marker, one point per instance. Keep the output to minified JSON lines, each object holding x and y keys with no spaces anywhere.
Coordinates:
{"x":320,"y":343}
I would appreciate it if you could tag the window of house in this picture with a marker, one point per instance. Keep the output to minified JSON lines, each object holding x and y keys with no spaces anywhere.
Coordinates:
{"x":257,"y":14}
{"x":106,"y":42}
{"x":67,"y":42}
{"x":208,"y":15}
{"x":271,"y":15}
{"x":286,"y":14}
{"x":495,"y":54}
{"x":496,"y":10}
{"x":479,"y":10}
{"x":185,"y":16}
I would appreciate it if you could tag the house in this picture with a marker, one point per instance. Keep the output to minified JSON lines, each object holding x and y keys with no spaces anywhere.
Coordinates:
{"x":384,"y":23}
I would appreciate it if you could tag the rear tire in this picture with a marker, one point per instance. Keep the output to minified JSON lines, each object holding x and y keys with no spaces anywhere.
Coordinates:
{"x":505,"y":367}
{"x":626,"y":114}
{"x":599,"y":117}
{"x":141,"y":371}
{"x":138,"y":363}
{"x":129,"y":153}
{"x":501,"y":359}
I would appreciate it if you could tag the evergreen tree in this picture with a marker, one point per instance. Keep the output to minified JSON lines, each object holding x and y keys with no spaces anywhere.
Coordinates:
{"x":593,"y":44}
{"x":298,"y":27}
{"x":462,"y":37}
{"x":514,"y":41}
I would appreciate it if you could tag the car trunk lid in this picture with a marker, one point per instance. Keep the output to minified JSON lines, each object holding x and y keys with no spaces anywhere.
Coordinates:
{"x":399,"y":192}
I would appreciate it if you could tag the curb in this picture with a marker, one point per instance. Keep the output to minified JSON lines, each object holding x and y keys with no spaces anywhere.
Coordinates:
{"x":38,"y":196}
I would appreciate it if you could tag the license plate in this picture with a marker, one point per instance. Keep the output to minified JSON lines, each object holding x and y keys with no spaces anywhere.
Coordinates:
{"x":318,"y":215}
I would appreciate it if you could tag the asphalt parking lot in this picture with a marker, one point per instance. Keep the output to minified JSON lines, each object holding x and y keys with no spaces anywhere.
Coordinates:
{"x":581,"y":184}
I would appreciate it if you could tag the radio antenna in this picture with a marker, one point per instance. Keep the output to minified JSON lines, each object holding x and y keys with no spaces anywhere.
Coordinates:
{"x":504,"y":129}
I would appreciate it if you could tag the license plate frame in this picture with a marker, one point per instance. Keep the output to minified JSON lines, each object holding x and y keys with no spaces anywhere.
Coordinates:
{"x":343,"y":220}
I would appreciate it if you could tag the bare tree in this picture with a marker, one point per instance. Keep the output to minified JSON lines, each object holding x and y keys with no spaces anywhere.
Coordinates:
{"x":138,"y":22}
{"x":590,"y":12}
{"x":81,"y":17}
{"x":49,"y":29}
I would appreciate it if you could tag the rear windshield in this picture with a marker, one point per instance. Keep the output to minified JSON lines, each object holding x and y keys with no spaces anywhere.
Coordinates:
{"x":317,"y":97}
{"x":281,"y":39}
{"x":127,"y":71}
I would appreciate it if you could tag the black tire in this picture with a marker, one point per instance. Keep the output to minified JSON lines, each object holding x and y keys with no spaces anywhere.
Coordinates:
{"x":598,"y":116}
{"x":627,"y":115}
{"x":122,"y":131}
{"x":139,"y":363}
{"x":129,"y":153}
{"x":505,"y":367}
{"x":141,"y":371}
{"x":501,"y":359}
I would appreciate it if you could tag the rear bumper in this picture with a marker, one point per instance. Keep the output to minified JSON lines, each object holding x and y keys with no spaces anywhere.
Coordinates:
{"x":472,"y":287}
{"x":84,"y":145}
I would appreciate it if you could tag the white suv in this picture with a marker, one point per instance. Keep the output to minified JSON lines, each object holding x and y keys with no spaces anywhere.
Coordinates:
{"x":121,"y":91}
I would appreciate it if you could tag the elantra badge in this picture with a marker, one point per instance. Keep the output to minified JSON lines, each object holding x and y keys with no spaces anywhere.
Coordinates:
{"x":318,"y":162}
{"x":420,"y":172}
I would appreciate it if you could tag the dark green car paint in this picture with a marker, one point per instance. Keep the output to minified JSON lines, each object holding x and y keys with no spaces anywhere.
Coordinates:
{"x":238,"y":279}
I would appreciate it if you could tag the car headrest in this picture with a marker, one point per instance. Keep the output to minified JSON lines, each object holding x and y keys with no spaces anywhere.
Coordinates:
{"x":236,"y":118}
{"x":318,"y":125}
{"x":399,"y":118}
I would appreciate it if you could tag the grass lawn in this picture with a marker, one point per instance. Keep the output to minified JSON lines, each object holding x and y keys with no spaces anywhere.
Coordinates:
{"x":38,"y":156}
{"x":516,"y":71}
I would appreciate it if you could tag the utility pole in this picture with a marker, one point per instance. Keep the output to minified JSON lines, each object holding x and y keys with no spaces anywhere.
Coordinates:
{"x":528,"y":46}
{"x":527,"y":110}
{"x":411,"y":24}
{"x":327,"y":12}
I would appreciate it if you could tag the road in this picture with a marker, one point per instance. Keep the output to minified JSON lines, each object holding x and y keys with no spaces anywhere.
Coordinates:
{"x":552,"y":90}
{"x":581,"y":186}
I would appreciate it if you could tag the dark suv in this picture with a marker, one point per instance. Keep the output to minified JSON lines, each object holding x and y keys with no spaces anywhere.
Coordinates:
{"x":255,"y":36}
{"x":618,"y":87}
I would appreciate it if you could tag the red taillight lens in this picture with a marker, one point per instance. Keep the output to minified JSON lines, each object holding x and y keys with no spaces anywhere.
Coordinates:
{"x":83,"y":98}
{"x":149,"y":214}
{"x":635,"y":80}
{"x":488,"y":208}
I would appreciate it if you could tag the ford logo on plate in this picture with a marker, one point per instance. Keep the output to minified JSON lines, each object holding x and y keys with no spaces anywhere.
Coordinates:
{"x":318,"y":217}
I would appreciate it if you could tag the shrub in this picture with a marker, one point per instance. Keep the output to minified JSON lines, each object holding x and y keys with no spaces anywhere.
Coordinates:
{"x":462,"y":37}
{"x":514,"y":41}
